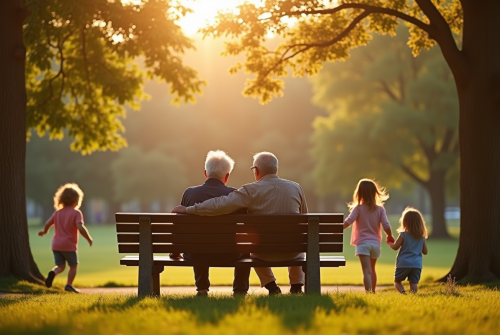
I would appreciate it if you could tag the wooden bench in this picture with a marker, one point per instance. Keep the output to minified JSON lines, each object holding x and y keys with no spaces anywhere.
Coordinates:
{"x":149,"y":234}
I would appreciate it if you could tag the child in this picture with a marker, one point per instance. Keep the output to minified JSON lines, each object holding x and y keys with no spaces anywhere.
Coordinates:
{"x":67,"y":221}
{"x":412,"y":235}
{"x":367,"y":215}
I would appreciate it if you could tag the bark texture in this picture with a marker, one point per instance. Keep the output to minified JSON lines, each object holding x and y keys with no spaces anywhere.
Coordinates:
{"x":15,"y":254}
{"x":478,"y":257}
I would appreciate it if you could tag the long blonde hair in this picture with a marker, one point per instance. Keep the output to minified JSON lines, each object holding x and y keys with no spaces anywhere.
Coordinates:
{"x":67,"y":195}
{"x":370,"y":193}
{"x":413,"y":222}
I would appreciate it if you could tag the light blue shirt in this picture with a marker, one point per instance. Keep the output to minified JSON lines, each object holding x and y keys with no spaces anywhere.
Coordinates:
{"x":410,"y":254}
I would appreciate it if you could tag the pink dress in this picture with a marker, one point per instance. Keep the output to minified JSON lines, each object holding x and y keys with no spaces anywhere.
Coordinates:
{"x":367,"y":223}
{"x":65,"y":229}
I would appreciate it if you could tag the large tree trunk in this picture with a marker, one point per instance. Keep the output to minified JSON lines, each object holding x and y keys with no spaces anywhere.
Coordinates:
{"x":436,"y":189}
{"x":15,"y":254}
{"x":478,"y":257}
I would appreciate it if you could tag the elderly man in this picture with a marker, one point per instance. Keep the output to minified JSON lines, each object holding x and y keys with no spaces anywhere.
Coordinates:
{"x":218,"y":166}
{"x":269,"y":194}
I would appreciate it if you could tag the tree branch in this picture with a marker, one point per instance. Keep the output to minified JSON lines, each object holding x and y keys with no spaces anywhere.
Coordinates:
{"x":85,"y":60}
{"x":59,"y":73}
{"x":413,"y":176}
{"x":447,"y":141}
{"x":443,"y":35}
{"x":388,"y":91}
{"x":368,"y":8}
{"x":307,"y":46}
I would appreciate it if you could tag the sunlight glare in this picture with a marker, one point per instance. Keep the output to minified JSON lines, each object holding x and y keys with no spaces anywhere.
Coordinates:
{"x":204,"y":13}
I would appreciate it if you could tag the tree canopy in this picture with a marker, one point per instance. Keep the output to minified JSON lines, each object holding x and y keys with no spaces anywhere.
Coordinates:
{"x":391,"y":116}
{"x":468,"y":35}
{"x":83,"y":59}
{"x":315,"y":31}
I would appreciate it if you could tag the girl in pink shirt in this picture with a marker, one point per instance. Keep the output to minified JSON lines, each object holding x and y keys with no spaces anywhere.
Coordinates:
{"x":367,"y":216}
{"x":67,"y":221}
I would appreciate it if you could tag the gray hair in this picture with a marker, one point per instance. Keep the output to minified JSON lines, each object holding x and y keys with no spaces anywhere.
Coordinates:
{"x":266,"y":162}
{"x":218,"y":164}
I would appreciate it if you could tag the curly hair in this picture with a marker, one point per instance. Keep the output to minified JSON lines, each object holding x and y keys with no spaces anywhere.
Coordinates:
{"x":68,"y":195}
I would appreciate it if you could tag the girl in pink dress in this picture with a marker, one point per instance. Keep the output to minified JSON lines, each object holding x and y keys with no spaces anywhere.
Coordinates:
{"x":67,"y":221}
{"x":367,"y":217}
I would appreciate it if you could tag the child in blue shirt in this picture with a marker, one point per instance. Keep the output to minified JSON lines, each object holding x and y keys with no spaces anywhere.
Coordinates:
{"x":411,"y":240}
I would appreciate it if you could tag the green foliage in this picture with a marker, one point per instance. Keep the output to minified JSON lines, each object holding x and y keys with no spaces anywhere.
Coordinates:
{"x":313,"y":32}
{"x":147,"y":176}
{"x":391,"y":116}
{"x":475,"y":310}
{"x":82,"y":65}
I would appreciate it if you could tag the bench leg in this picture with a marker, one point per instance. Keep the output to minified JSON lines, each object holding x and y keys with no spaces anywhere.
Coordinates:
{"x":156,"y":279}
{"x":313,"y":277}
{"x":145,"y":257}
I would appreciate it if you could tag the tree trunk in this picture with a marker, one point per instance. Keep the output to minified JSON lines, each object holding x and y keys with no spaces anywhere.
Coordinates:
{"x":478,"y":257}
{"x":15,"y":254}
{"x":436,"y":189}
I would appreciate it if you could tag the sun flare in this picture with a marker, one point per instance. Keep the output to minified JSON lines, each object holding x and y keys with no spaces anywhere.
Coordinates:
{"x":204,"y":12}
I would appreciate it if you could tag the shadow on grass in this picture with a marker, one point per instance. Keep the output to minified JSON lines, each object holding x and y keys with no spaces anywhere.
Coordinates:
{"x":106,"y":303}
{"x":296,"y":311}
{"x":14,"y":285}
{"x":206,"y":309}
{"x":4,"y":302}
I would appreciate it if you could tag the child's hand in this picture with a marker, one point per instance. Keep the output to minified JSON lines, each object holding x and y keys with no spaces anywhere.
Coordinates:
{"x":90,"y":241}
{"x":389,"y":239}
{"x":41,"y":233}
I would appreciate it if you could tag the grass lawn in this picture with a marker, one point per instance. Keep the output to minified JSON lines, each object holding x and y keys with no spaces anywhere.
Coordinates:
{"x":99,"y":265}
{"x":434,"y":310}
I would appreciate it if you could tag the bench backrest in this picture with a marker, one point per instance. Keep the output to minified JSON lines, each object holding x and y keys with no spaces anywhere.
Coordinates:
{"x":240,"y":233}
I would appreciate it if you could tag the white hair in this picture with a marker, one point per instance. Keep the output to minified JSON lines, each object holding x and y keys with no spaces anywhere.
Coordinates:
{"x":266,"y":162}
{"x":218,"y":164}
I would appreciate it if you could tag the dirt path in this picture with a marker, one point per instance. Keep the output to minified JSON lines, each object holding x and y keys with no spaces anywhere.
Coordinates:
{"x":254,"y":290}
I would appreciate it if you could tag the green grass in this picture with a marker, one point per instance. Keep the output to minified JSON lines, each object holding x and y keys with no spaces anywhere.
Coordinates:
{"x":473,"y":310}
{"x":14,"y":285}
{"x":99,"y":265}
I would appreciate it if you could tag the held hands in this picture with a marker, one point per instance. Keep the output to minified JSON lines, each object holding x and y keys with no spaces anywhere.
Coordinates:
{"x":389,"y":239}
{"x":179,"y":209}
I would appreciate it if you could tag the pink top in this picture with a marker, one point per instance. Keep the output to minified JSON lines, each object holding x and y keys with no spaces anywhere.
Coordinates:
{"x":367,"y":223}
{"x":66,"y":231}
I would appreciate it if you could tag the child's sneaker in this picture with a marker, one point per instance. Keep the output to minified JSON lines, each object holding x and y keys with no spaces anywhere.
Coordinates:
{"x":70,"y":288}
{"x":50,"y":279}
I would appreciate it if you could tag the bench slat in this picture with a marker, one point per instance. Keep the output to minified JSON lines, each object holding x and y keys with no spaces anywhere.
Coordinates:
{"x":228,"y":238}
{"x":229,"y":228}
{"x":234,"y":218}
{"x":230,"y":248}
{"x":325,"y":261}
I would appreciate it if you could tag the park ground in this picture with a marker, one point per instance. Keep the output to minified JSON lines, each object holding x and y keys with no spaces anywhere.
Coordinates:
{"x":100,"y":264}
{"x":436,"y":309}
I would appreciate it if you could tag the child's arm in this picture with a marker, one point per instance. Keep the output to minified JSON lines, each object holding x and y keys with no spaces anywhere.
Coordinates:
{"x":389,"y":237}
{"x":386,"y":225}
{"x":351,"y":218}
{"x":396,"y":245}
{"x":424,"y":249}
{"x":85,"y":233}
{"x":48,"y":224}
